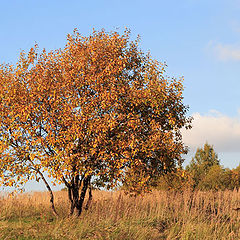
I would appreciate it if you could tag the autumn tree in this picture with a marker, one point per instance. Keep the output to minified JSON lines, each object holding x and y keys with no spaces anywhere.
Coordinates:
{"x":216,"y":178}
{"x":235,"y":178}
{"x":99,"y":111}
{"x":177,"y":180}
{"x":201,"y":163}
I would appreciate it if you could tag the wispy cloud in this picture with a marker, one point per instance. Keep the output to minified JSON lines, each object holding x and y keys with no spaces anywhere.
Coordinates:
{"x":225,"y":52}
{"x":215,"y":128}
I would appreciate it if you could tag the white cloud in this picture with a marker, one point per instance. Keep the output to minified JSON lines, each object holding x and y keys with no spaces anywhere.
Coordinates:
{"x":225,"y":52}
{"x":221,"y":131}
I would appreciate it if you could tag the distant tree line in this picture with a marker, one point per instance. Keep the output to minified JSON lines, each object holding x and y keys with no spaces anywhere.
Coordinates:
{"x":204,"y":172}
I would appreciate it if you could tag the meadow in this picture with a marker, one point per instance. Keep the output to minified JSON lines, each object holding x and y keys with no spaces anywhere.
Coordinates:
{"x":115,"y":215}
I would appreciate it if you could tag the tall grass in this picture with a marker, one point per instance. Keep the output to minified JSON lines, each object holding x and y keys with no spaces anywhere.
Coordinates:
{"x":114,"y":215}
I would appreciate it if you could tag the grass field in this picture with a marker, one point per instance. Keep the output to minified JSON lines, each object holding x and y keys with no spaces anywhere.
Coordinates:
{"x":113,"y":215}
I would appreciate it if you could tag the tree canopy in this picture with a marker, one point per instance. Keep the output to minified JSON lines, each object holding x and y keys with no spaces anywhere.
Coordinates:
{"x":99,"y":111}
{"x":201,"y":163}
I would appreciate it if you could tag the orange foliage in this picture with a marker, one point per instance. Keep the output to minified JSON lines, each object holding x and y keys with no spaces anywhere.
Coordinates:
{"x":97,"y":109}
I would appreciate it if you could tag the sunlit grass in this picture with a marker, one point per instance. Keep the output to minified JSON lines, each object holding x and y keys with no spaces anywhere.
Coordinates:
{"x":114,"y":215}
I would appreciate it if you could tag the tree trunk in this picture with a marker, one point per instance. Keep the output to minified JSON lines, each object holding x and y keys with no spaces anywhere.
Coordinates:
{"x":73,"y":195}
{"x":47,"y":186}
{"x":89,"y":197}
{"x":50,"y":193}
{"x":79,"y":206}
{"x":71,"y":201}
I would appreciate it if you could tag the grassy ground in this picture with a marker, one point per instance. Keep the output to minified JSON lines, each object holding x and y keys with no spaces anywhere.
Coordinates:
{"x":160,"y":215}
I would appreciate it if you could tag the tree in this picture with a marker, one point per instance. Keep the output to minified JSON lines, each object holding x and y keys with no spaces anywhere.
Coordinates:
{"x":204,"y":159}
{"x":97,"y":112}
{"x":235,"y":177}
{"x":215,"y":179}
{"x":177,"y":180}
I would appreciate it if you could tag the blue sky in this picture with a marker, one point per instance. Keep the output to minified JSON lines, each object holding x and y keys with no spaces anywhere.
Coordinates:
{"x":198,"y":39}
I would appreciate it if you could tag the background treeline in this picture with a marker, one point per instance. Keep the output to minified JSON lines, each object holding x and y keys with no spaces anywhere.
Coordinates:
{"x":204,"y":172}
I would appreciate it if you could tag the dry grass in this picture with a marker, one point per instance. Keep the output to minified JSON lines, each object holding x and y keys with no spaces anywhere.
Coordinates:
{"x":113,"y":215}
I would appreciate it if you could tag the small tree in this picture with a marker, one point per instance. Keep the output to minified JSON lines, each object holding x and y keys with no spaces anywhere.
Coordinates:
{"x":177,"y":180}
{"x":214,"y":179}
{"x":96,"y":112}
{"x":201,"y":163}
{"x":235,"y":177}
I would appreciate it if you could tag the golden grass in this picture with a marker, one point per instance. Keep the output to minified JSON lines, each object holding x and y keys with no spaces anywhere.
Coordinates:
{"x":114,"y":215}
